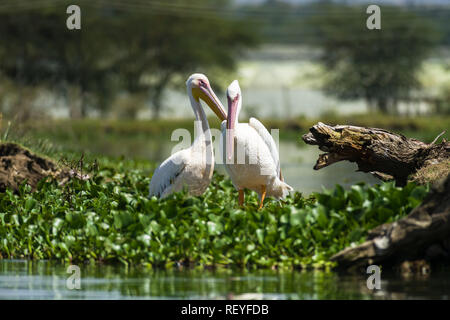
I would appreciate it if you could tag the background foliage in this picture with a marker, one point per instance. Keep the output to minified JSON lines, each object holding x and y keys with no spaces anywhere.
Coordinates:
{"x":380,"y":66}
{"x":121,"y":48}
{"x":133,"y":51}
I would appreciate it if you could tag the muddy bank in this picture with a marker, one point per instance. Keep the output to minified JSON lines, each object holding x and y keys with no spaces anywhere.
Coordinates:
{"x":18,"y":164}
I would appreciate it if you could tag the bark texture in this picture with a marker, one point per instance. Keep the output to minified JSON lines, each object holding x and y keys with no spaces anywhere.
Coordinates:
{"x":385,"y":154}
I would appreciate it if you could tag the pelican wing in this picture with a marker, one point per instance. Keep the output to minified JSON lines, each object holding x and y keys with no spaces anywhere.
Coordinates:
{"x":268,"y":140}
{"x":167,"y":173}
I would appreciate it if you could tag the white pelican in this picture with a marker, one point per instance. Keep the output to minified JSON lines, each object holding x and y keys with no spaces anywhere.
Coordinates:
{"x":256,"y":164}
{"x":192,"y":167}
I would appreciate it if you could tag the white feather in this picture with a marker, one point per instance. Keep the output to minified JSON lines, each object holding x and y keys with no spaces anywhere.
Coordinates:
{"x":253,"y":174}
{"x":166,"y":174}
{"x":268,"y":140}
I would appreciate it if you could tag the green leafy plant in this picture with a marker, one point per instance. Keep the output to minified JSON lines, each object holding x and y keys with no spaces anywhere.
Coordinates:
{"x":110,"y":218}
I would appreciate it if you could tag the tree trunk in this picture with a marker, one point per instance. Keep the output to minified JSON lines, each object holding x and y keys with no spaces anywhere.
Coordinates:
{"x":382,"y":105}
{"x":84,"y":104}
{"x":384,"y":154}
{"x":423,"y":234}
{"x":156,"y":102}
{"x":157,"y":95}
{"x":74,"y":101}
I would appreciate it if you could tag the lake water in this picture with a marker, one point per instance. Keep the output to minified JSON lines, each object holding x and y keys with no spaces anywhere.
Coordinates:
{"x":21,"y":279}
{"x":297,"y":162}
{"x":297,"y":166}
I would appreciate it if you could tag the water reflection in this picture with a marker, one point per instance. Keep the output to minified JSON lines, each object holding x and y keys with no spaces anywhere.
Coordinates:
{"x":21,"y":279}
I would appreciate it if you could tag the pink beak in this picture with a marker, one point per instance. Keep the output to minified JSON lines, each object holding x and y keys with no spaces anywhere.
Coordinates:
{"x":232,"y":108}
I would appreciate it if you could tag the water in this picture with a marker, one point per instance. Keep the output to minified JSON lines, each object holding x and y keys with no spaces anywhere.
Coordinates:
{"x":297,"y":161}
{"x":297,"y":167}
{"x":22,"y":279}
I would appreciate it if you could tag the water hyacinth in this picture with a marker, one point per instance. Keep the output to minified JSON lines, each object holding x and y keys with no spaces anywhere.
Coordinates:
{"x":109,"y":218}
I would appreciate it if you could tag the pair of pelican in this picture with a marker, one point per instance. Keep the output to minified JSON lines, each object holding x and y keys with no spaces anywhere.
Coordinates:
{"x":255,"y":165}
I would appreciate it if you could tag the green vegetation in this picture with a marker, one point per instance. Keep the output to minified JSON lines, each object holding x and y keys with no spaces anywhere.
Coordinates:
{"x":124,"y":57}
{"x":110,"y":218}
{"x":127,"y":54}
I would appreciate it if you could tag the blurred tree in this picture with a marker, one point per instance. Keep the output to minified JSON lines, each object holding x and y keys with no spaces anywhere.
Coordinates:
{"x":379,"y":66}
{"x":139,"y":47}
{"x":442,"y":102}
{"x":162,"y":50}
{"x":36,"y":48}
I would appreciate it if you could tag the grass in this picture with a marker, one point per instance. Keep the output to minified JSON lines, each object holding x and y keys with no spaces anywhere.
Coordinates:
{"x":111,"y":219}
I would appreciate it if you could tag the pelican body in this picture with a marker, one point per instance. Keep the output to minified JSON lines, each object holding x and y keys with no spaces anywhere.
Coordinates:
{"x":191,"y":168}
{"x":255,"y":165}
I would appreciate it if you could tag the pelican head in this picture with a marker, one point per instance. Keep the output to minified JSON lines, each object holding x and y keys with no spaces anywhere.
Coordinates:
{"x":199,"y":88}
{"x":234,"y":107}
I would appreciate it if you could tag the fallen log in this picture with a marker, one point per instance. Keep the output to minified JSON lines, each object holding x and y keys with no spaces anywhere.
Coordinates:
{"x":386,"y":155}
{"x":423,"y":234}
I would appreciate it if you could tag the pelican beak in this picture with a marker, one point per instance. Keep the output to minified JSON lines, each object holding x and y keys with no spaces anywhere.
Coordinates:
{"x":206,"y":93}
{"x":231,"y":122}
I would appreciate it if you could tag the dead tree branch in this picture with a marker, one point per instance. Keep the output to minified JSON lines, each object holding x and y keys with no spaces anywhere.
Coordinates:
{"x":385,"y":154}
